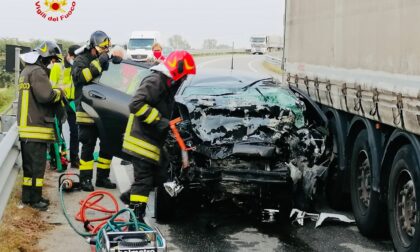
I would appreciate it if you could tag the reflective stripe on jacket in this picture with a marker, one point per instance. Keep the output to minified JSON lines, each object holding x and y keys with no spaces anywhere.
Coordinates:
{"x":85,"y":68}
{"x":36,"y":105}
{"x":151,"y":107}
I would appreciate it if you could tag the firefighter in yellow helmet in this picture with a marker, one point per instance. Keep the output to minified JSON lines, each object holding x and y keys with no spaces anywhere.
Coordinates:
{"x":151,"y":109}
{"x":88,"y":65}
{"x":37,"y":102}
{"x":69,"y":90}
{"x":60,"y":77}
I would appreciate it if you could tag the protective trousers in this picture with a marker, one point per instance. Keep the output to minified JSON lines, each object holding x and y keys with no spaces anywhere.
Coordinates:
{"x":53,"y":157}
{"x":34,"y":161}
{"x":74,"y":135}
{"x":88,"y":134}
{"x":146,"y":176}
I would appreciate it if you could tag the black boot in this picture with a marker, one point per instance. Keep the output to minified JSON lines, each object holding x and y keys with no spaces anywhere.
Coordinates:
{"x":105,"y":182}
{"x":125,"y":197}
{"x":45,"y":200}
{"x":75,"y":163}
{"x":86,"y":185}
{"x":40,"y":205}
{"x":139,"y":210}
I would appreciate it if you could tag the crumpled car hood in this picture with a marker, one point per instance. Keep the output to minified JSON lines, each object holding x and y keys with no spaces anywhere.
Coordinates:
{"x":254,"y":115}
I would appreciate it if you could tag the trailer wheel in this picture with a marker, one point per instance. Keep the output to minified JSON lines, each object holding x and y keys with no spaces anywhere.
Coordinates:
{"x":403,"y":201}
{"x":164,"y":205}
{"x":365,"y":202}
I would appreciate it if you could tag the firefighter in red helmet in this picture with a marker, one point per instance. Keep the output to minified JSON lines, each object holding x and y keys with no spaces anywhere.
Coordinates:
{"x":150,"y":111}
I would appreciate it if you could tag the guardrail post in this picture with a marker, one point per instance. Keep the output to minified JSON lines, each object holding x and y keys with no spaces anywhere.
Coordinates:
{"x":17,"y":65}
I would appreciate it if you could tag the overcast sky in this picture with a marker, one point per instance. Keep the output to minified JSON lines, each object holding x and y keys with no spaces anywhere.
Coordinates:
{"x":194,"y":20}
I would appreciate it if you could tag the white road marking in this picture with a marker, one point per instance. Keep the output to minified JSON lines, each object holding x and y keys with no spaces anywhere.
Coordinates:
{"x":210,"y":61}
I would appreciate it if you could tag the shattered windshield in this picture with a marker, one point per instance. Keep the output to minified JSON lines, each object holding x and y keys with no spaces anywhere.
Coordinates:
{"x":213,"y":90}
{"x":258,"y":95}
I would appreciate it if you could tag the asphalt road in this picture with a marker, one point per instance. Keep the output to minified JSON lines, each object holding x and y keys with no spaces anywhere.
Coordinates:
{"x":223,"y":228}
{"x":248,"y":63}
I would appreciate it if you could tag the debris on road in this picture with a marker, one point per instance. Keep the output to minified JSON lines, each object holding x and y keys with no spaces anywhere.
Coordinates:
{"x":319,"y":218}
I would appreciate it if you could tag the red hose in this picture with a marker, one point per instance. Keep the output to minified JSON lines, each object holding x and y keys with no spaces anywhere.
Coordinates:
{"x":91,"y":202}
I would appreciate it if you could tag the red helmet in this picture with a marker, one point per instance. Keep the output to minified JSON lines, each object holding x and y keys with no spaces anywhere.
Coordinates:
{"x":179,"y":64}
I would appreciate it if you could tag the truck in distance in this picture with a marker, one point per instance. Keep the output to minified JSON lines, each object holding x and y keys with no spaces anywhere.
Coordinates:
{"x":139,"y":46}
{"x":258,"y":44}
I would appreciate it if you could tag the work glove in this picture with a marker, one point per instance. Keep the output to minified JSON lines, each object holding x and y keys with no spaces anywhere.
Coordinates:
{"x":116,"y":59}
{"x":104,"y":61}
{"x":162,"y":125}
{"x":117,"y":55}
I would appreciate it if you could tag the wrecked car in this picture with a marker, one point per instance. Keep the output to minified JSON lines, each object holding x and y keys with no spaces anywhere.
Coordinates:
{"x":245,"y":138}
{"x":248,"y":140}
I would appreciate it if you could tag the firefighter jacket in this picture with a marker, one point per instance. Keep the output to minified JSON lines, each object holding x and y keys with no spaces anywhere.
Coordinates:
{"x":37,"y":102}
{"x":150,"y":110}
{"x":85,"y":68}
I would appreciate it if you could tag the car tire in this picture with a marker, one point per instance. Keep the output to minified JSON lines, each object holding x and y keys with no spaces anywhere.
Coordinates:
{"x":164,"y":205}
{"x":366,"y":204}
{"x":403,"y":188}
{"x":334,"y":189}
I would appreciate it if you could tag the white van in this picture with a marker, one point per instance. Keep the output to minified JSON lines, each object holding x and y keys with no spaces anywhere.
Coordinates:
{"x":139,"y":46}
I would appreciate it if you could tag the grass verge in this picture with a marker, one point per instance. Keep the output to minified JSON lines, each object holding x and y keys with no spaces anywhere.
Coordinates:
{"x":272,"y":68}
{"x":7,"y":95}
{"x":21,"y":228}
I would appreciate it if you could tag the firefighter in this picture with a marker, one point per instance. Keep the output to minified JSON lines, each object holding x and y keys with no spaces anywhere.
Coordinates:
{"x":151,"y":109}
{"x":88,"y":65}
{"x":56,"y":78}
{"x":60,"y":76}
{"x":37,"y":102}
{"x":69,"y":90}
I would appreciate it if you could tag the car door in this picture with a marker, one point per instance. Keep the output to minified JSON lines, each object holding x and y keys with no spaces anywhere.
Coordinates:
{"x":107,"y":102}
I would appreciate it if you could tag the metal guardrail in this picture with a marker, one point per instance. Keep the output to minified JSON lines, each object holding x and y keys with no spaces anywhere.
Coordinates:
{"x":273,"y":60}
{"x":210,"y":52}
{"x":10,"y":163}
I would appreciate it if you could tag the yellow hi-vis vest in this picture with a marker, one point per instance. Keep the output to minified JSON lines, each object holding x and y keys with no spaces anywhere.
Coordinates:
{"x":56,"y":75}
{"x":68,"y":83}
{"x":60,"y":77}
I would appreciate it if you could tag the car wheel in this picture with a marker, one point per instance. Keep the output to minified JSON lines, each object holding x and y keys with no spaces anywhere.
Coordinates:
{"x":403,"y":210}
{"x":365,"y":202}
{"x":164,"y":205}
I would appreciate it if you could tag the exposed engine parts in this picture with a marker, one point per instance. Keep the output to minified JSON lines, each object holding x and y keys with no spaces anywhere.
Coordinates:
{"x":262,"y":145}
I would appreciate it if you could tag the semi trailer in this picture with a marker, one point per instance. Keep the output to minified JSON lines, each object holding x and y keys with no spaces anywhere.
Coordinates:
{"x":360,"y":61}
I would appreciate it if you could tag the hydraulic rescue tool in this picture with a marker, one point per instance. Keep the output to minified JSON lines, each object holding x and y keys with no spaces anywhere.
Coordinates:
{"x":117,"y":230}
{"x":173,"y":188}
{"x":58,"y":159}
{"x":69,"y":182}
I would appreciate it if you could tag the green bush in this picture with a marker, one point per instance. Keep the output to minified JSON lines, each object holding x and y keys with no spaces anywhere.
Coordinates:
{"x":7,"y":95}
{"x":6,"y":79}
